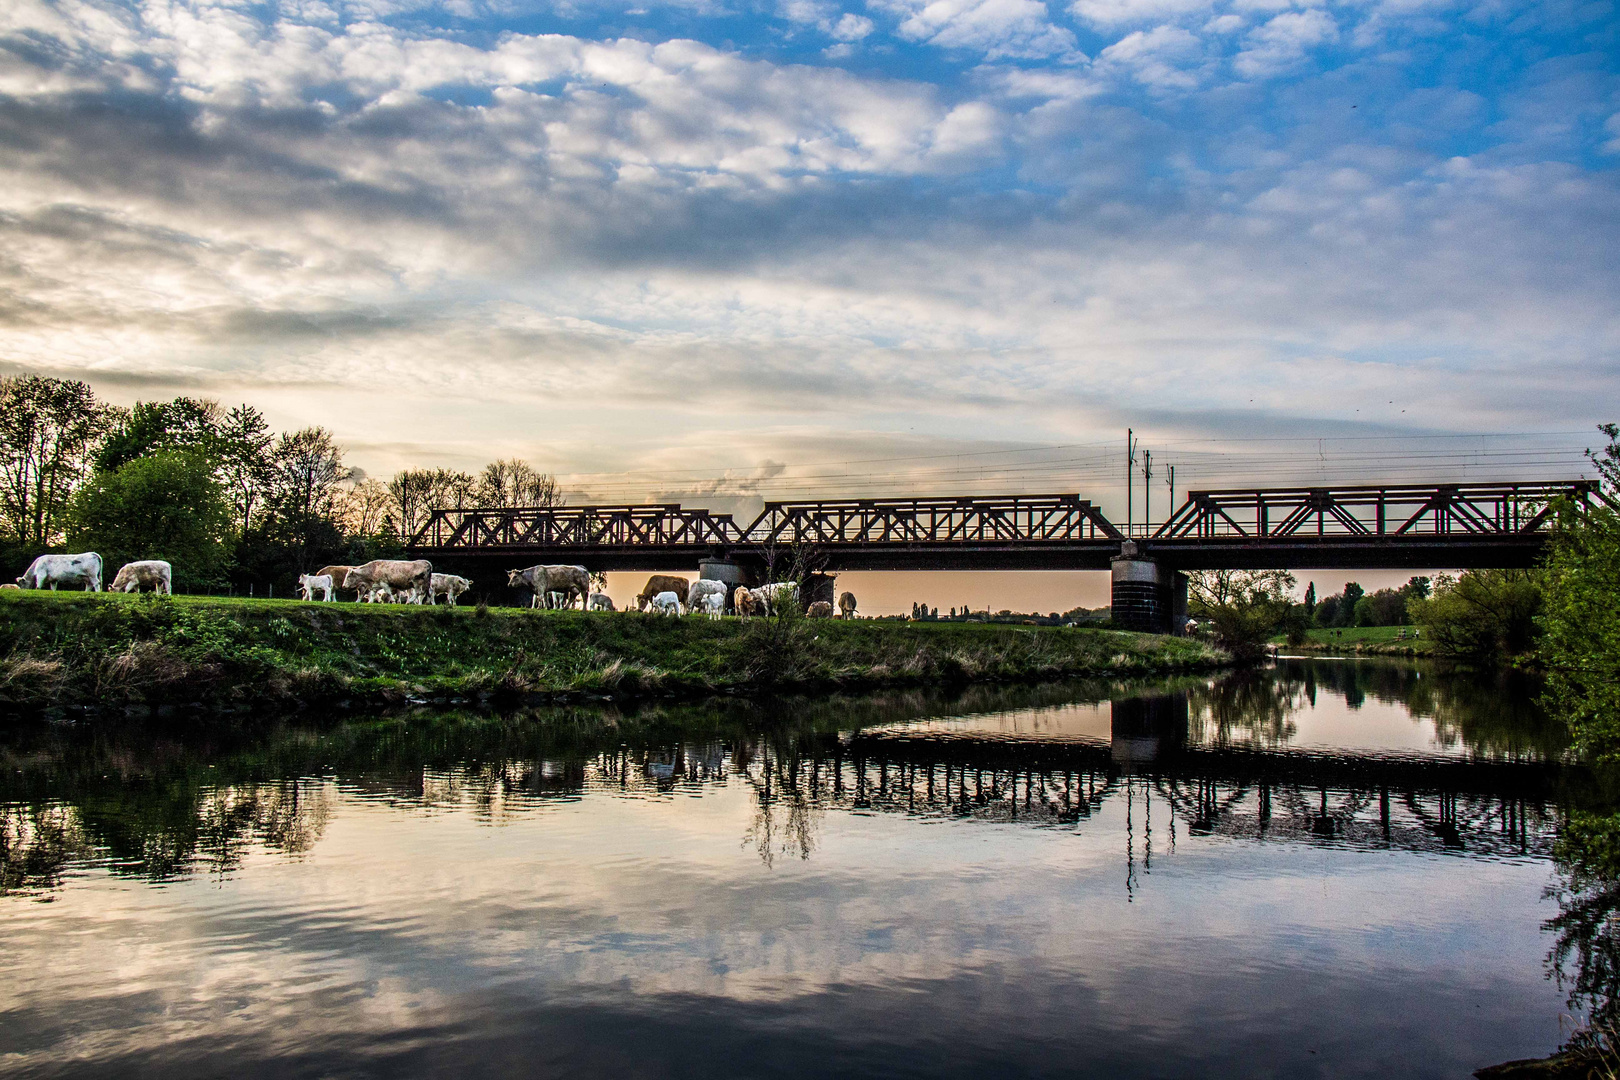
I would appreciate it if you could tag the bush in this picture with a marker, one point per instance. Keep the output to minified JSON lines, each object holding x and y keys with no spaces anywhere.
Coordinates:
{"x":166,"y":505}
{"x":1483,"y":616}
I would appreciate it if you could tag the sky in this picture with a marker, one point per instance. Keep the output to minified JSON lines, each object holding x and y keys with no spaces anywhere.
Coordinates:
{"x":711,"y":251}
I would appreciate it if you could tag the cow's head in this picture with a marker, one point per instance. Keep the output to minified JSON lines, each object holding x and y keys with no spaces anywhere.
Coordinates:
{"x":514,"y":578}
{"x":24,"y":583}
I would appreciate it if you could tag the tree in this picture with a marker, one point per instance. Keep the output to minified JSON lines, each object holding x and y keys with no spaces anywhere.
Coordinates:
{"x":419,"y":493}
{"x":1581,"y":619}
{"x":1484,"y":616}
{"x":1348,"y":600}
{"x":367,"y":508}
{"x":516,"y":483}
{"x":189,"y":424}
{"x":164,"y":505}
{"x":245,"y":467}
{"x":1245,"y":606}
{"x":49,"y":430}
{"x":1310,"y":597}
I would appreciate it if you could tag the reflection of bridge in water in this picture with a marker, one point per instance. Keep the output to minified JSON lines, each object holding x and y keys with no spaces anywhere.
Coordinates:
{"x":1490,"y":808}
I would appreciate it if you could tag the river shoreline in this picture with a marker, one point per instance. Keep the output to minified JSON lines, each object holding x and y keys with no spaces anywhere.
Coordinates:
{"x":88,"y":653}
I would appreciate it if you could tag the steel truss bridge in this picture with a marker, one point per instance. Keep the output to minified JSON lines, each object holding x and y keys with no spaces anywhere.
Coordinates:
{"x":1448,"y":525}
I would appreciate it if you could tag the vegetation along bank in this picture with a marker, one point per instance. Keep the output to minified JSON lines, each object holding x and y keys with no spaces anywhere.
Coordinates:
{"x":101,"y":650}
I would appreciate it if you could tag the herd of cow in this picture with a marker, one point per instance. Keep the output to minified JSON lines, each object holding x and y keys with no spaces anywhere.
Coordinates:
{"x":412,"y":581}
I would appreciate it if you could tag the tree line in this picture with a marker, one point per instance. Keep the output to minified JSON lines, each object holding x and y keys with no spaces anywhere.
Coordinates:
{"x":231,"y":503}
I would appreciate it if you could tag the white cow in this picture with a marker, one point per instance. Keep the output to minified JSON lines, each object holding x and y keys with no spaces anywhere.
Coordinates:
{"x":53,"y":570}
{"x":148,"y":573}
{"x":601,"y":602}
{"x":308,"y":583}
{"x":448,"y":586}
{"x":703,"y":587}
{"x":667,"y":603}
{"x":714,"y":604}
{"x":776,"y":594}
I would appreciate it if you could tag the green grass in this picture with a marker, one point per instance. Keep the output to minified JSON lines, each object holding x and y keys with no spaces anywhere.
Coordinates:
{"x":77,"y":648}
{"x":1365,"y":638}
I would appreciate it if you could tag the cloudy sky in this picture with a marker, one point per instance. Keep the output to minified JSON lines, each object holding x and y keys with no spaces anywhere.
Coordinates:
{"x":710,"y":247}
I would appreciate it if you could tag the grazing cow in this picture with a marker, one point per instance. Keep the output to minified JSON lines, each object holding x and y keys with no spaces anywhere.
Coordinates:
{"x":601,"y":602}
{"x":308,"y":583}
{"x":542,"y":580}
{"x":820,"y":610}
{"x":746,"y":602}
{"x":704,"y":587}
{"x":667,"y":603}
{"x":778,"y":594}
{"x":846,"y":606}
{"x":661,"y":583}
{"x":714,"y":604}
{"x":336,"y":573}
{"x":413,"y":577}
{"x":54,"y":570}
{"x":154,"y":574}
{"x":448,"y":586}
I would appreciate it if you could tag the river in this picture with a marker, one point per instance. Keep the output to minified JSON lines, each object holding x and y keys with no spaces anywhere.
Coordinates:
{"x":1328,"y":868}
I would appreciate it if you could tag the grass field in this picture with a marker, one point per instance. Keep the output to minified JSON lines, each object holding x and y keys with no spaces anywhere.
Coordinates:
{"x":1365,"y":638}
{"x":100,"y":649}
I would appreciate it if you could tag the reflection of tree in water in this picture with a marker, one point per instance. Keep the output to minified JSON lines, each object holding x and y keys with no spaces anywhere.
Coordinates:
{"x":777,"y":790}
{"x":37,"y":843}
{"x":1585,"y":957}
{"x":1492,"y":713}
{"x":1249,"y":702}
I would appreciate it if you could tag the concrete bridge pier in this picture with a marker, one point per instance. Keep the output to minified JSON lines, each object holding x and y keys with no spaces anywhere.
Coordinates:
{"x":1147,"y":596}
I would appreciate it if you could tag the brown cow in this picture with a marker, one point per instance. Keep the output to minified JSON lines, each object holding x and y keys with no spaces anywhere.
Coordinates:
{"x":661,"y":583}
{"x":336,"y":573}
{"x":746,"y":602}
{"x":846,"y":606}
{"x":820,"y":610}
{"x":412,"y":576}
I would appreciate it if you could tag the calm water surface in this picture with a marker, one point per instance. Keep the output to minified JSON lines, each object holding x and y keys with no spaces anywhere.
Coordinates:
{"x":1335,"y":868}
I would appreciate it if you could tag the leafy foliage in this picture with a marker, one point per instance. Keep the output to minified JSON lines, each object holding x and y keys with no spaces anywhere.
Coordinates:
{"x":49,"y":430}
{"x":1482,"y":616}
{"x":1581,"y":619}
{"x":163,"y":505}
{"x":1245,"y":606}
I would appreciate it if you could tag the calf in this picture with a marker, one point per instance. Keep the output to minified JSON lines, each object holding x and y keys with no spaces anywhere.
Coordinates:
{"x":53,"y":570}
{"x":820,"y":610}
{"x":667,"y":603}
{"x":746,"y":602}
{"x":703,"y":587}
{"x":714,"y":604}
{"x":448,"y":586}
{"x":308,"y":583}
{"x":601,"y":602}
{"x":660,"y":583}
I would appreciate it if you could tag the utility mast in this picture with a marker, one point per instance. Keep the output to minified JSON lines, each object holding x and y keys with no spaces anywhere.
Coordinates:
{"x":1130,"y":475}
{"x":1147,"y":490}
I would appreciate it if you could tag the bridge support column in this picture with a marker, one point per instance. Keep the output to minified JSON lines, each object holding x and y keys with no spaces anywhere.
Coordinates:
{"x":732,"y":573}
{"x":1147,"y":596}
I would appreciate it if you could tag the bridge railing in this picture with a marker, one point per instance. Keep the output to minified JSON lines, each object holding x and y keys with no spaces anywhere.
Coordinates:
{"x":1477,"y":510}
{"x":1013,"y":519}
{"x":663,"y":525}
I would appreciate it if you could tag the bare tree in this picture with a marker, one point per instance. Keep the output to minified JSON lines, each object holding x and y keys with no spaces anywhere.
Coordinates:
{"x":364,"y":507}
{"x":308,"y":469}
{"x":419,"y":493}
{"x":515,"y":482}
{"x":49,"y":430}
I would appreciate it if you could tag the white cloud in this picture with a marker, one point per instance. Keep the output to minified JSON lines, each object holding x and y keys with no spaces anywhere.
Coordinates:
{"x":1165,"y":58}
{"x":997,"y":28}
{"x":1124,"y":12}
{"x":1283,"y":41}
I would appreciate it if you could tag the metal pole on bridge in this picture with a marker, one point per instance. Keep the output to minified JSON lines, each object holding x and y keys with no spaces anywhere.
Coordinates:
{"x":1130,"y":469}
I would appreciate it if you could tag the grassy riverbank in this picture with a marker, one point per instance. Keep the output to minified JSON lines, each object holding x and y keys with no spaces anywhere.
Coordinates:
{"x":71,"y":649}
{"x":1361,"y":641}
